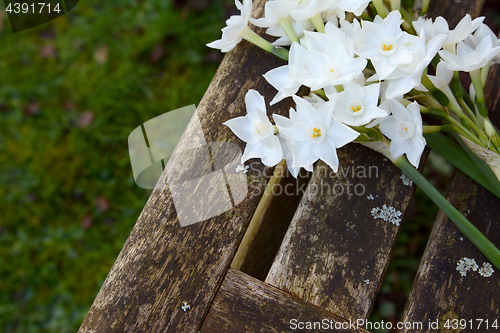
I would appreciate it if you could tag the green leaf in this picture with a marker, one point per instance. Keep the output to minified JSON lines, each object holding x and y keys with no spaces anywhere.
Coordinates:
{"x":468,"y":229}
{"x":464,"y":160}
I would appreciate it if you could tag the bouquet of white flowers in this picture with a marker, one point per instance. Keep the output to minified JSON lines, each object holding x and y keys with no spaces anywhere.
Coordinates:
{"x":372,"y":71}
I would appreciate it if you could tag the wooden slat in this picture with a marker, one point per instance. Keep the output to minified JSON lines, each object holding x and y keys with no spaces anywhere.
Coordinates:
{"x":454,"y":10}
{"x":471,"y":297}
{"x":335,"y":252}
{"x":492,"y":92}
{"x":245,"y":304}
{"x":162,"y":264}
{"x":275,"y":221}
{"x":440,"y":292}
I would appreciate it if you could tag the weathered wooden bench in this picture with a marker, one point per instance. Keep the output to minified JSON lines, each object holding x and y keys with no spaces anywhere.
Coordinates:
{"x":316,"y":257}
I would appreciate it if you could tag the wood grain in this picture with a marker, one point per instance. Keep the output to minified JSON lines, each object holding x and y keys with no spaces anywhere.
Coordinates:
{"x":245,"y":304}
{"x":335,"y":252}
{"x":492,"y":91}
{"x":163,"y":264}
{"x":454,"y":10}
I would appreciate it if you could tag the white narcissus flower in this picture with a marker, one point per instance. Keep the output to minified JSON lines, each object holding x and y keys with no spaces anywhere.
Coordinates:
{"x":468,"y":59}
{"x":329,"y":59}
{"x":277,"y":11}
{"x":284,"y":78}
{"x":353,"y":31}
{"x":483,"y":32}
{"x":286,"y":145}
{"x":309,"y":8}
{"x":314,"y":134}
{"x":408,"y":76}
{"x":357,"y":105}
{"x":257,"y":131}
{"x":315,"y":100}
{"x":354,"y":6}
{"x":236,"y":26}
{"x":385,"y":44}
{"x":464,"y":28}
{"x":404,"y":129}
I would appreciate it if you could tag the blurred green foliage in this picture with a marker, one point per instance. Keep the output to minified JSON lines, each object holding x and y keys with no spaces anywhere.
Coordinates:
{"x":71,"y":91}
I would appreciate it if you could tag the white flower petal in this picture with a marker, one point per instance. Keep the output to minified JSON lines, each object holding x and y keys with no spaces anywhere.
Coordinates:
{"x":341,"y":134}
{"x":241,"y":127}
{"x":255,"y":101}
{"x":303,"y":154}
{"x":327,"y":153}
{"x":398,"y":147}
{"x":254,"y":150}
{"x":275,"y":153}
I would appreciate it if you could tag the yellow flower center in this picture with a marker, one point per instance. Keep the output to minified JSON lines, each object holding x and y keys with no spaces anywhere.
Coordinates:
{"x":356,"y":108}
{"x":388,"y":48}
{"x":317,"y":132}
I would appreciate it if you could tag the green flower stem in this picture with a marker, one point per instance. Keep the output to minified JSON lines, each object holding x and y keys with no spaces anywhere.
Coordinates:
{"x":475,"y":127}
{"x":475,"y":76}
{"x":459,"y":128}
{"x":321,"y":93}
{"x":484,"y":73}
{"x":492,"y":133}
{"x":380,"y":8}
{"x":470,"y":103}
{"x":456,"y":86}
{"x":469,"y":230}
{"x":365,"y":16}
{"x":249,"y":35}
{"x":435,"y":92}
{"x":423,"y":109}
{"x":470,"y":112}
{"x":434,"y":129}
{"x":253,"y":227}
{"x":395,"y":4}
{"x":287,"y":27}
{"x":408,"y":19}
{"x":318,"y":23}
{"x":371,"y":134}
{"x":425,"y":6}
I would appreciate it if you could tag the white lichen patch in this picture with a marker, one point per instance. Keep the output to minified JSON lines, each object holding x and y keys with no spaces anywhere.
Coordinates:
{"x":406,"y":180}
{"x":466,"y":264}
{"x":388,"y":214}
{"x":185,"y":306}
{"x":486,"y":270}
{"x":242,"y":168}
{"x":370,"y":197}
{"x":367,"y":281}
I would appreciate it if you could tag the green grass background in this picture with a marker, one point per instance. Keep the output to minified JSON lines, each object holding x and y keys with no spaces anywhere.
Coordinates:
{"x":54,"y":174}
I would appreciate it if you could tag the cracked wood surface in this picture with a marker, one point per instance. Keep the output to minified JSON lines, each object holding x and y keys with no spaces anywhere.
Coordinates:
{"x":245,"y":304}
{"x":335,"y":252}
{"x":163,"y":264}
{"x":439,"y":291}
